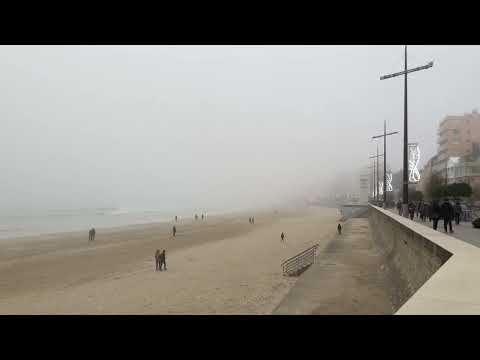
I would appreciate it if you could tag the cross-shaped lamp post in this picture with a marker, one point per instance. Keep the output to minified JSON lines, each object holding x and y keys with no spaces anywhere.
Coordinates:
{"x":384,"y":160}
{"x":405,"y":125}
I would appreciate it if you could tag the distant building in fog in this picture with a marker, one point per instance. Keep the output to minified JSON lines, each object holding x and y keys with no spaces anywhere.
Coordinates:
{"x":458,"y":157}
{"x":457,"y":136}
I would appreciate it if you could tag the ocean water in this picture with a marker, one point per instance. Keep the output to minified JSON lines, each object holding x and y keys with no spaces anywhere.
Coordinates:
{"x":55,"y":221}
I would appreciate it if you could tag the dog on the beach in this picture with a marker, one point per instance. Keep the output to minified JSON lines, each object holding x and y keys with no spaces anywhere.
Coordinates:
{"x":91,"y":234}
{"x":339,"y":229}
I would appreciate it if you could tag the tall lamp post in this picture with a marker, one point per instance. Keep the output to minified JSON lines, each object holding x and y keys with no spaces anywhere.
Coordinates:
{"x":384,"y":159}
{"x":376,"y":182}
{"x":405,"y":125}
{"x":373,"y":180}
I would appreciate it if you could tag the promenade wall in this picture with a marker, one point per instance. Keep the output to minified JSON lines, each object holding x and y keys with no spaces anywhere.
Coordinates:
{"x":433,"y":273}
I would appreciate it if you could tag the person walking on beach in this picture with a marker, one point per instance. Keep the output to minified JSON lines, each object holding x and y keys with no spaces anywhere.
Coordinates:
{"x":435,"y":213}
{"x":458,"y":212}
{"x":176,"y":218}
{"x":196,"y":217}
{"x":282,"y":237}
{"x":447,"y":212}
{"x":160,"y":259}
{"x":202,"y":216}
{"x":249,"y":220}
{"x":91,"y":234}
{"x":174,"y":230}
{"x":157,"y":259}
{"x":339,"y":229}
{"x":253,"y":220}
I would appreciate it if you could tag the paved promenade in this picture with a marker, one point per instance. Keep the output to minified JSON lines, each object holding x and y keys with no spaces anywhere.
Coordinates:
{"x":464,"y":231}
{"x":349,"y":277}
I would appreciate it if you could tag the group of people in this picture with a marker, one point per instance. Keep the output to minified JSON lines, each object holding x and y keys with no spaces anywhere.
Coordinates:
{"x":251,"y":220}
{"x":435,"y":211}
{"x":203,"y":216}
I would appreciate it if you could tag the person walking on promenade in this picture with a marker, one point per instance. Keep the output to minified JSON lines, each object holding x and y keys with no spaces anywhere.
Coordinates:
{"x":447,"y":212}
{"x":253,"y":220}
{"x":435,"y":213}
{"x":339,"y":229}
{"x":174,"y":230}
{"x":458,"y":212}
{"x":282,"y":237}
{"x":176,"y":218}
{"x":202,"y":216}
{"x":399,"y":207}
{"x":424,"y":212}
{"x":420,"y":210}
{"x":411,"y":209}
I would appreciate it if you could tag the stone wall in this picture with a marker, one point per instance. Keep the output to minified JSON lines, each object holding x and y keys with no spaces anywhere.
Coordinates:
{"x":411,"y":257}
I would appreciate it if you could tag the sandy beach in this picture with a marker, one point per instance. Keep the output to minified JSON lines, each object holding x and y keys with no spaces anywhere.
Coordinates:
{"x":222,"y":265}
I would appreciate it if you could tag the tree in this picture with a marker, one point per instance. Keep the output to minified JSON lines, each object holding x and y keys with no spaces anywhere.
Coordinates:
{"x":459,"y":190}
{"x":452,"y":190}
{"x":415,"y":195}
{"x":434,"y":187}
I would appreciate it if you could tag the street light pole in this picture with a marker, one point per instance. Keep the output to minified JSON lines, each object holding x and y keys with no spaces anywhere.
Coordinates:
{"x":405,"y":124}
{"x":384,"y":159}
{"x":373,"y":180}
{"x":405,"y":141}
{"x":378,"y":196}
{"x":376,"y":182}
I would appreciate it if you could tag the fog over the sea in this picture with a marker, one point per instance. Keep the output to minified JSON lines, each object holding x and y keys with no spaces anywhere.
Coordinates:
{"x":180,"y":127}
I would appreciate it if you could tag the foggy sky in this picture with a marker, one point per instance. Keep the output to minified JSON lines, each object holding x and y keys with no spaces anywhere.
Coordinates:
{"x":211,"y":126}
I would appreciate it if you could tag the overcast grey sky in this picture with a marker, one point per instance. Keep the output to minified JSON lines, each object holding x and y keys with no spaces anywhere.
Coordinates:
{"x":210,"y":126}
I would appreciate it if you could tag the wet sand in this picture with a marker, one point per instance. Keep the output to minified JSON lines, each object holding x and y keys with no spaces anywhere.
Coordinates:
{"x":222,"y":265}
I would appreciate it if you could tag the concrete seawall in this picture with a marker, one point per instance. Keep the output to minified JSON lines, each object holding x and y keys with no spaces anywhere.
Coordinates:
{"x":411,"y":257}
{"x":433,"y":273}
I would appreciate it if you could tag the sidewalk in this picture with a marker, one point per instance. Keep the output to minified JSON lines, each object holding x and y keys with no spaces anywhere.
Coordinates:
{"x":347,"y":278}
{"x":465,"y":231}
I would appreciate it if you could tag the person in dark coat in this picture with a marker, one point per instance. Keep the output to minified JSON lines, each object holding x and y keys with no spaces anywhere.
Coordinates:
{"x":458,"y":212}
{"x":448,"y":214}
{"x":435,"y":213}
{"x":420,"y":209}
{"x":425,"y":213}
{"x":174,"y":230}
{"x":162,"y":260}
{"x":399,"y":207}
{"x":411,"y":209}
{"x":339,"y":229}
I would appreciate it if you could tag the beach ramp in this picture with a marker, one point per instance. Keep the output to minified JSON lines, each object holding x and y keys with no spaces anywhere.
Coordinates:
{"x":297,"y":264}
